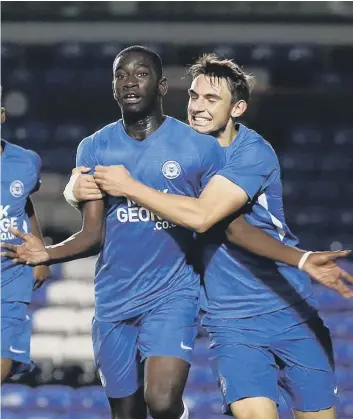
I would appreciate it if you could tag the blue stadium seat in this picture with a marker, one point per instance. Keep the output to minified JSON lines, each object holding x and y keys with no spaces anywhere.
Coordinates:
{"x":344,"y":138}
{"x":202,"y":349}
{"x":91,"y":398}
{"x":329,"y":80}
{"x":69,"y":134}
{"x":307,"y":138}
{"x":344,"y":378}
{"x":54,"y":397}
{"x":88,"y":415}
{"x":343,"y":350}
{"x":329,"y":300}
{"x":312,"y":216}
{"x":340,"y":325}
{"x":298,"y":162}
{"x":42,"y":414}
{"x":345,"y":406}
{"x":263,"y":55}
{"x":71,"y":54}
{"x":12,"y":56}
{"x":8,"y":414}
{"x":203,"y":401}
{"x":337,"y":162}
{"x":16,"y":396}
{"x":201,"y":376}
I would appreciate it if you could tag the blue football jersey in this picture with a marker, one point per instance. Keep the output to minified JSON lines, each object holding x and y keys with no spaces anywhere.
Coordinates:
{"x":20,"y":177}
{"x":239,"y":284}
{"x":143,"y":260}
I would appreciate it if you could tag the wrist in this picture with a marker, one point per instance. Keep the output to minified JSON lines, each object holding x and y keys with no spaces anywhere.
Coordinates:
{"x":303,"y":260}
{"x":131,"y":188}
{"x":49,"y":251}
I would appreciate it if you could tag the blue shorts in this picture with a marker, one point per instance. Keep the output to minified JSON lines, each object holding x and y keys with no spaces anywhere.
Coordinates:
{"x":273,"y":355}
{"x":121,"y":347}
{"x":16,"y":330}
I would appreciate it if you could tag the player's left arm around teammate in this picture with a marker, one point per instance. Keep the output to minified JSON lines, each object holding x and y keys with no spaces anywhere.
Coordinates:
{"x":320,"y":266}
{"x":41,"y":272}
{"x":219,"y":199}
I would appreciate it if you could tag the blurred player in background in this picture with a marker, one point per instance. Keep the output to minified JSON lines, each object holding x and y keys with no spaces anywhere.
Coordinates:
{"x":261,"y":316}
{"x":19,"y":179}
{"x":147,"y":295}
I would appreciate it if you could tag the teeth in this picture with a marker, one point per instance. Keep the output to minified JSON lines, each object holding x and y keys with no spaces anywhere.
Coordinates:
{"x":199,"y":118}
{"x":131,"y":95}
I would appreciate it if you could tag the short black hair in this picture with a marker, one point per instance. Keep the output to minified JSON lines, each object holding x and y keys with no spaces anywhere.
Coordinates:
{"x":155,"y":58}
{"x":239,"y":83}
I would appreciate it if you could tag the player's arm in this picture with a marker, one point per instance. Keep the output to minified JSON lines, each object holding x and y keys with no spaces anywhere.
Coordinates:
{"x":87,"y":242}
{"x":320,"y":266}
{"x":256,"y":241}
{"x":219,"y":199}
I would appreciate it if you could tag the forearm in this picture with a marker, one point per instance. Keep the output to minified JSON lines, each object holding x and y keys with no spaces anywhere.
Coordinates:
{"x":80,"y":245}
{"x":86,"y":242}
{"x":182,"y":210}
{"x":256,"y":241}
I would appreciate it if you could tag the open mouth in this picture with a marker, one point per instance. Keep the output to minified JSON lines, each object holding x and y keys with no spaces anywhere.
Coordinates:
{"x":200,"y":120}
{"x":132,"y":98}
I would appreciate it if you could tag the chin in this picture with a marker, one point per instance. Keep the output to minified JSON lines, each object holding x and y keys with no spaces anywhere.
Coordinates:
{"x":202,"y":129}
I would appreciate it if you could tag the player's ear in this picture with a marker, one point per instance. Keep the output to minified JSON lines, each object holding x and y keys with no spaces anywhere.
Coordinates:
{"x":239,"y":108}
{"x":163,"y":86}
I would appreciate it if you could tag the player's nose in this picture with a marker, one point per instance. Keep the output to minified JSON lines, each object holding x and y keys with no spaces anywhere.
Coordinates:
{"x":131,"y":81}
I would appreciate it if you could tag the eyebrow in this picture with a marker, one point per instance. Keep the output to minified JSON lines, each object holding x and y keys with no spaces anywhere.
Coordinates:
{"x":137,"y":65}
{"x":207,"y":96}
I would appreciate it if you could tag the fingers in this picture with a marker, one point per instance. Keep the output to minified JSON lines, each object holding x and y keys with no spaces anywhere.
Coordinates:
{"x":17,"y":233}
{"x":342,"y":289}
{"x":81,"y":169}
{"x":338,"y":254}
{"x":346,"y":276}
{"x":8,"y":246}
{"x":10,"y":255}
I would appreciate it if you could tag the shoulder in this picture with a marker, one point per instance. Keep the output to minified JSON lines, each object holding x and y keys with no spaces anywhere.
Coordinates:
{"x":253,"y":144}
{"x":98,"y":138}
{"x":25,"y":155}
{"x":202,"y":143}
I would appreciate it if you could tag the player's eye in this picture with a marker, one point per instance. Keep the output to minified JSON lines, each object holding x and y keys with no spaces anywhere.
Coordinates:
{"x":210,"y":100}
{"x":142,"y":74}
{"x":192,"y":97}
{"x":119,"y":76}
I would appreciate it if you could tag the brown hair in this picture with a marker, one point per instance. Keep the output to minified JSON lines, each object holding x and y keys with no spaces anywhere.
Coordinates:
{"x":239,"y":83}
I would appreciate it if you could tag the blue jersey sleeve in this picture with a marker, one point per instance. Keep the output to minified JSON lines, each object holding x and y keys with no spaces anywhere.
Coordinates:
{"x":37,"y":165}
{"x":252,"y":166}
{"x":212,"y":160}
{"x":85,"y":154}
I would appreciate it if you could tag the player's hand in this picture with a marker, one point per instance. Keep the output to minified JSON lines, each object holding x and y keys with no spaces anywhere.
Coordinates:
{"x":31,"y":252}
{"x":114,"y":180}
{"x":321,"y":266}
{"x":41,"y":273}
{"x":85,"y":187}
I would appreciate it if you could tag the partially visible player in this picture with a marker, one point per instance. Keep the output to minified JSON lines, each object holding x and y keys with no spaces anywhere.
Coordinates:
{"x":147,"y":295}
{"x":19,"y":179}
{"x":261,"y":315}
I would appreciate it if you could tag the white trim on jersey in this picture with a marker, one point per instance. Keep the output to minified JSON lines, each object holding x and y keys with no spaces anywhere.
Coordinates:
{"x":277,"y":223}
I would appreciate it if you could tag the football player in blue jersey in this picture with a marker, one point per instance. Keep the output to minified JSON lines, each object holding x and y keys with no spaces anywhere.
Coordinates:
{"x":174,"y":170}
{"x":19,"y":179}
{"x":267,"y":336}
{"x":146,"y":293}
